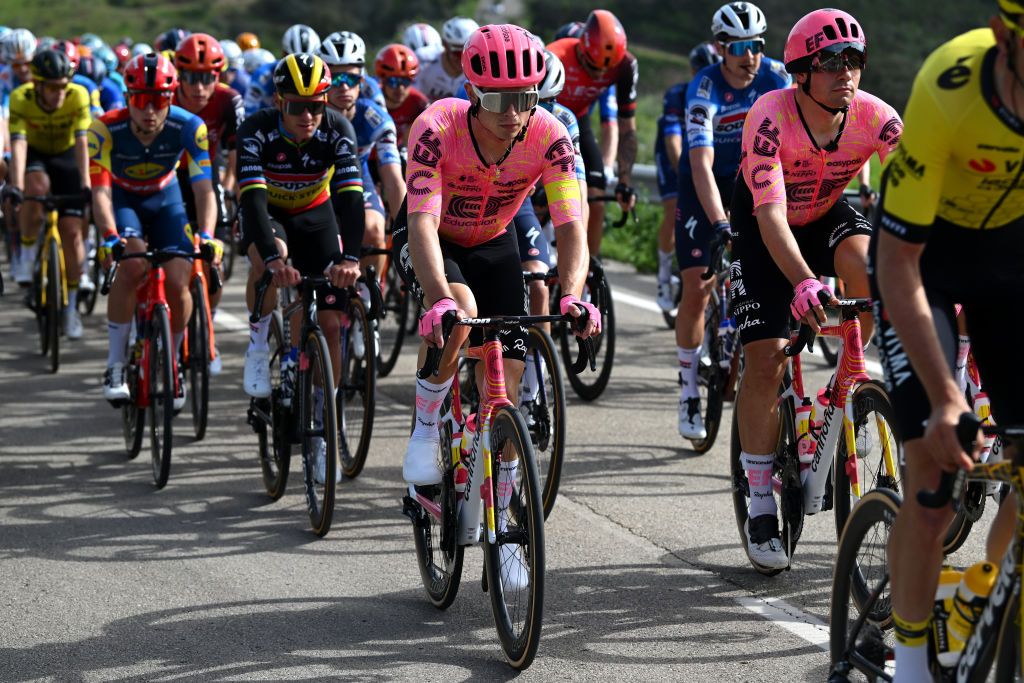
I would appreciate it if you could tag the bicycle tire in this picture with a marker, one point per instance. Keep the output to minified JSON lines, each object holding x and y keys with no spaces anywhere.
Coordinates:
{"x":357,"y":396}
{"x":786,"y":469}
{"x":868,"y":398}
{"x":711,"y":379}
{"x":604,"y":343}
{"x":518,"y":642}
{"x":54,"y":301}
{"x":319,"y":374}
{"x":133,"y":417}
{"x":1007,"y":655}
{"x":438,"y":554}
{"x":161,"y":394}
{"x":230,"y":251}
{"x":878,"y":506}
{"x":547,"y":428}
{"x":393,"y":321}
{"x":275,"y":448}
{"x":199,"y":358}
{"x":87,"y":303}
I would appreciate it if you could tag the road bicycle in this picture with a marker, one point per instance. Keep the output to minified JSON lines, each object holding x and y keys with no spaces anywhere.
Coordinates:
{"x":300,"y":410}
{"x":448,"y":516}
{"x":840,"y":454}
{"x":199,"y":347}
{"x":861,"y":612}
{"x":233,"y":236}
{"x":398,"y":308}
{"x":152,"y":374}
{"x":87,"y":297}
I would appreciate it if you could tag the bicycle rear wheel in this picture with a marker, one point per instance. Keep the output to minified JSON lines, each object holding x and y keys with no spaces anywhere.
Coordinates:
{"x":862,"y":568}
{"x":356,"y":399}
{"x":393,"y":321}
{"x":275,"y":448}
{"x":133,"y":417}
{"x":515,"y":564}
{"x":161,"y":394}
{"x":711,"y":377}
{"x":319,"y":431}
{"x":54,"y":302}
{"x":545,"y":415}
{"x":199,"y":358}
{"x":438,"y":554}
{"x":87,"y":299}
{"x":587,"y":385}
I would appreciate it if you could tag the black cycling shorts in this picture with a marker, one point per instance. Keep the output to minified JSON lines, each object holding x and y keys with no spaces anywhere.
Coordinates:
{"x":313,"y":245}
{"x":761,"y":294}
{"x":591,"y":153}
{"x":492,"y":271}
{"x":189,"y":197}
{"x":693,"y":229}
{"x":64,"y":176}
{"x":980,"y":269}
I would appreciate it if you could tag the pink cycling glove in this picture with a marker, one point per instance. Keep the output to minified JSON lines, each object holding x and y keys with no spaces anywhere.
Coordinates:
{"x":569,"y":300}
{"x":805,"y":297}
{"x":433,"y":316}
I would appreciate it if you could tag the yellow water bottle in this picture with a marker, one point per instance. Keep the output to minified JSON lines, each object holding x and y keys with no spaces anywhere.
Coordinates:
{"x":947,"y":647}
{"x":971,"y":596}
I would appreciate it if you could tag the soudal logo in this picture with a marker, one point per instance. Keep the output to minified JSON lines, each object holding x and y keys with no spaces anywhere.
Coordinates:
{"x":982,"y":165}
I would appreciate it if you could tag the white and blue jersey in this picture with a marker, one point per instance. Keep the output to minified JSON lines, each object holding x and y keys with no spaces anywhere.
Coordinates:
{"x":238,"y":79}
{"x":715,"y":112}
{"x":375,"y":130}
{"x":111,"y":95}
{"x":568,"y":119}
{"x":8,"y":82}
{"x":370,"y":89}
{"x":673,"y":113}
{"x":260,"y":93}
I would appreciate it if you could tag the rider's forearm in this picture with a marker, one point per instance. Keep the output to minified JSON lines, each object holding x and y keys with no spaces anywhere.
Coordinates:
{"x":899,"y":279}
{"x":674,"y":149}
{"x":103,"y":209}
{"x":609,"y":141}
{"x":82,"y":158}
{"x":701,"y":161}
{"x":573,"y":257}
{"x":781,"y":244}
{"x":19,"y":152}
{"x":394,"y":187}
{"x":206,"y":205}
{"x":228,"y":180}
{"x":627,"y":149}
{"x":427,"y":262}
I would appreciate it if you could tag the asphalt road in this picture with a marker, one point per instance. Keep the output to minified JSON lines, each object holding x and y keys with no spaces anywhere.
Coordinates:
{"x":102,"y":578}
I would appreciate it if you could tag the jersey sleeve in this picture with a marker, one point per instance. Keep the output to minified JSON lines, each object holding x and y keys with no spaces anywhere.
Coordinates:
{"x":99,"y":143}
{"x":673,"y":110}
{"x":233,"y":118}
{"x":250,"y":158}
{"x":385,"y":137}
{"x":348,"y":174}
{"x":626,"y":86}
{"x":700,"y":113}
{"x":608,"y":105}
{"x":423,"y":174}
{"x":890,"y":132}
{"x":17,"y":124}
{"x":762,"y":167}
{"x":197,"y":149}
{"x":82,"y":114}
{"x":913,"y":174}
{"x":558,"y":176}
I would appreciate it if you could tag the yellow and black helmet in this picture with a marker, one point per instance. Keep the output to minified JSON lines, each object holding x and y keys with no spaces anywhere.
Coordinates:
{"x":302,"y":74}
{"x":1011,"y":7}
{"x":51,"y":65}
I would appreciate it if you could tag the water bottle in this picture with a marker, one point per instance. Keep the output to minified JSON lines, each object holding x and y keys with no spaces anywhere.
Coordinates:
{"x":466,"y":448}
{"x":805,"y":440}
{"x":983,"y":409}
{"x":814,"y":478}
{"x":969,"y":601}
{"x":947,"y":647}
{"x":727,"y":340}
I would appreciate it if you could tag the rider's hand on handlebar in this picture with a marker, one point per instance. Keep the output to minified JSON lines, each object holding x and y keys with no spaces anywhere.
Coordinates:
{"x":430,"y":322}
{"x":807,"y":299}
{"x":940,"y":438}
{"x":284,"y":275}
{"x":574,"y":307}
{"x":626,"y":196}
{"x":103,"y":253}
{"x":723,"y":228}
{"x":344,"y":274}
{"x":13,"y":194}
{"x":216,"y":245}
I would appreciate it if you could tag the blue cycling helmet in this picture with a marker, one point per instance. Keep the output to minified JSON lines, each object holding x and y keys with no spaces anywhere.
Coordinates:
{"x":704,"y":55}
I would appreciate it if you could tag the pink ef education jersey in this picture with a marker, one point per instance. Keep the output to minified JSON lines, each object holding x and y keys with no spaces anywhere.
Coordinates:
{"x":781,"y":163}
{"x":475,"y":202}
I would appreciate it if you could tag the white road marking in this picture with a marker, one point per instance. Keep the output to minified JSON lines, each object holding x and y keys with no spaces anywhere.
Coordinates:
{"x":790,"y":618}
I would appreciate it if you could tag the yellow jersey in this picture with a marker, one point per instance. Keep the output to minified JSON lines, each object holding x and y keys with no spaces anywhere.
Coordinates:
{"x":961,"y":157}
{"x":51,"y":132}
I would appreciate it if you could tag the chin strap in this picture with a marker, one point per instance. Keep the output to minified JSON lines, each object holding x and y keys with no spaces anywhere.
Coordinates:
{"x":831,"y":110}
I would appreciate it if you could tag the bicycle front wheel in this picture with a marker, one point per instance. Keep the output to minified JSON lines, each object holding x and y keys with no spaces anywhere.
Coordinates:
{"x":711,"y":377}
{"x":393,"y":321}
{"x":545,"y":413}
{"x":133,"y":416}
{"x":161,"y":394}
{"x":515,"y":564}
{"x":877,"y":462}
{"x":87,"y":299}
{"x":199,"y":358}
{"x":356,"y":399}
{"x":54,"y":304}
{"x":587,"y":385}
{"x":319,"y":431}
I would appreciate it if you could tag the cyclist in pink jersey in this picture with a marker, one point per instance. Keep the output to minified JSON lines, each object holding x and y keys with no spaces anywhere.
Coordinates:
{"x":801,"y":147}
{"x":471,"y":165}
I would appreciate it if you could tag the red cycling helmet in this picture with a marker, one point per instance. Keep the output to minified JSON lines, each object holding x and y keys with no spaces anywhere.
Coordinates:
{"x":396,"y":60}
{"x":200,"y":52}
{"x":503,"y":56}
{"x":830,"y":30}
{"x":152,"y":72}
{"x":123,"y":52}
{"x":68,"y":48}
{"x":603,"y":39}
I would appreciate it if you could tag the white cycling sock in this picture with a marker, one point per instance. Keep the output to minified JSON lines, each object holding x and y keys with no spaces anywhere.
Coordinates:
{"x":117,"y":333}
{"x":688,"y":359}
{"x":258,"y":333}
{"x":530,"y":387}
{"x":73,"y":297}
{"x":664,"y":267}
{"x":911,"y":663}
{"x":963,"y":350}
{"x":759,"y":481}
{"x":428,"y":407}
{"x":506,"y":485}
{"x":178,"y":338}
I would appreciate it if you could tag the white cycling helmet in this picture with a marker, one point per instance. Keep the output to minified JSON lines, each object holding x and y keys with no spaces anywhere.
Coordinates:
{"x":343,"y":48}
{"x":233,"y":54}
{"x":256,"y":57}
{"x":554,"y":77}
{"x":738,"y":21}
{"x":141,"y":49}
{"x":300,"y":38}
{"x":18,"y":45}
{"x":419,"y":36}
{"x":456,"y":31}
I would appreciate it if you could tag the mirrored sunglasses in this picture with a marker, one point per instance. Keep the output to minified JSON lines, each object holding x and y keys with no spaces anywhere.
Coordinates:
{"x":346,"y":79}
{"x":738,"y":48}
{"x":397,"y":82}
{"x":197,"y":77}
{"x":499,"y":102}
{"x":141,"y":99}
{"x":847,"y":59}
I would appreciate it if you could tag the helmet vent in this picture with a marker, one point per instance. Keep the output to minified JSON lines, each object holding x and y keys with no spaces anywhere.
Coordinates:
{"x":495,"y":64}
{"x":829,"y":31}
{"x":510,"y":63}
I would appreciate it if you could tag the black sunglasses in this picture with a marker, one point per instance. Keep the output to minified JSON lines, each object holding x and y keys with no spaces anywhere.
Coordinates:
{"x":299,"y":107}
{"x":197,"y":77}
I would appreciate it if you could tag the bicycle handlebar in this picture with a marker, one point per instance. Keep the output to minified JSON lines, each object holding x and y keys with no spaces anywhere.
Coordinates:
{"x":612,"y":198}
{"x":717,"y":262}
{"x":370,"y":280}
{"x":585,"y":347}
{"x":806,"y":336}
{"x":158,"y":257}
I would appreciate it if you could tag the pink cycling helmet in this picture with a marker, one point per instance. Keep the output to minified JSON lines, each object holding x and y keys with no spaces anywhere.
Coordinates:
{"x":830,"y":30}
{"x":503,"y":56}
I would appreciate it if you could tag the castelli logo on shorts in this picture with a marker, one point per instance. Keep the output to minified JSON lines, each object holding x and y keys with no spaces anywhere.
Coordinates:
{"x":534,"y":252}
{"x":696,"y":253}
{"x":982,"y":165}
{"x":330,"y":299}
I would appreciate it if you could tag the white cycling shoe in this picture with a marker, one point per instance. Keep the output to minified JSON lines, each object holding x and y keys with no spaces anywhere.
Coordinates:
{"x":115,"y":389}
{"x":764,"y":543}
{"x":256,"y":376}
{"x":691,"y":423}
{"x":73,"y":328}
{"x":420,"y":467}
{"x":320,"y":465}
